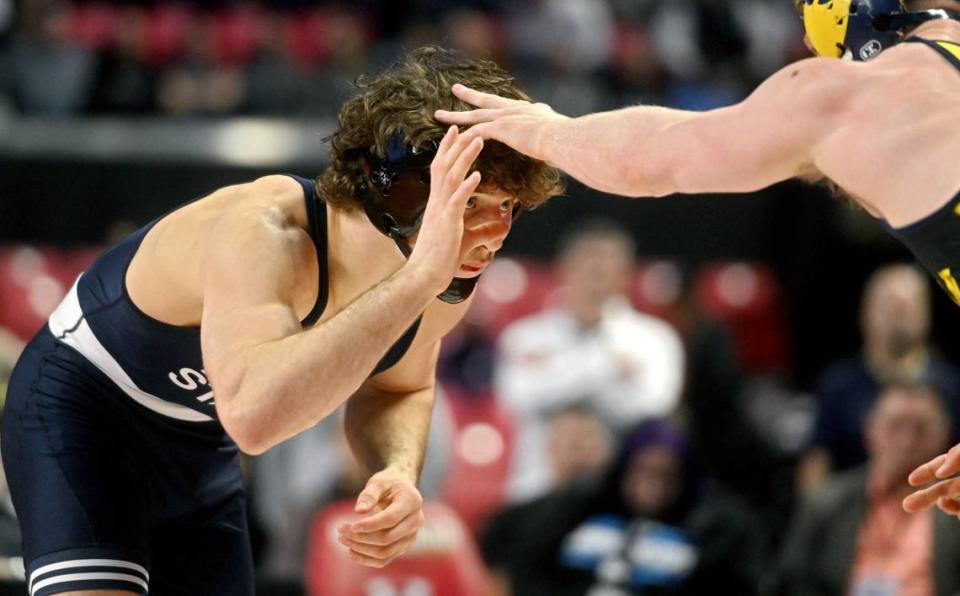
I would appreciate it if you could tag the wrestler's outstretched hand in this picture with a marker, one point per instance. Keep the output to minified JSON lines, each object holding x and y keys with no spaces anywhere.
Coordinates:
{"x":437,"y":247}
{"x":526,"y":127}
{"x":393,"y":514}
{"x":937,"y":484}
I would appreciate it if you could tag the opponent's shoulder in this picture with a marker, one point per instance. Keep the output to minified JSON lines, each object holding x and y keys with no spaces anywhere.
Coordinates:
{"x":815,"y":85}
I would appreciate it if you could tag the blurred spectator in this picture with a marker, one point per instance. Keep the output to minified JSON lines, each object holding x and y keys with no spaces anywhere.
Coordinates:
{"x":579,"y":446}
{"x":274,"y":84}
{"x":43,"y":53}
{"x":475,"y":33}
{"x":217,"y":58}
{"x":11,"y":562}
{"x":852,"y":535}
{"x":593,"y":349}
{"x":11,"y":556}
{"x":10,"y":348}
{"x":650,"y":527}
{"x":895,"y":323}
{"x":295,"y":479}
{"x":126,"y":84}
{"x":715,"y":412}
{"x":200,"y":83}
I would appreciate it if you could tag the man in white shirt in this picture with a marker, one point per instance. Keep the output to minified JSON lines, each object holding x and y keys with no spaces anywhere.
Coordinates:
{"x":594,"y":350}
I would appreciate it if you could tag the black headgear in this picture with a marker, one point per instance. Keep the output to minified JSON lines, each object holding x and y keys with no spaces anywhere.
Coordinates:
{"x":394,"y":194}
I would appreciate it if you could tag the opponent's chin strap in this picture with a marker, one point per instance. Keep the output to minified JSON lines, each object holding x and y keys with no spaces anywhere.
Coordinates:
{"x":905,"y":20}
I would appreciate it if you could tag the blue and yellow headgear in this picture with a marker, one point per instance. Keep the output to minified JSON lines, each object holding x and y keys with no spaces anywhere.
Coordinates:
{"x":860,"y":29}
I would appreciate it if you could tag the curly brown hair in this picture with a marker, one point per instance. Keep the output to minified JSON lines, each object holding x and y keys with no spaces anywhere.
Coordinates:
{"x":402,"y":99}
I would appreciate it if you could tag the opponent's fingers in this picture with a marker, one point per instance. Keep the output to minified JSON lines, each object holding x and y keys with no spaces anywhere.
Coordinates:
{"x":480,"y":99}
{"x":948,"y":505}
{"x":951,"y":464}
{"x":926,"y":473}
{"x":468,"y":117}
{"x":402,"y":506}
{"x":925,"y":498}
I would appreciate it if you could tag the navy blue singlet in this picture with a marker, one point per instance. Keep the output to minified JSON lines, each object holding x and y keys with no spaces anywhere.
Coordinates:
{"x":159,"y":365}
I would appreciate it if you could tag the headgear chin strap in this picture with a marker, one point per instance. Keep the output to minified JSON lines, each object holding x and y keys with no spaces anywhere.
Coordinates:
{"x":861,"y":29}
{"x":394,"y":194}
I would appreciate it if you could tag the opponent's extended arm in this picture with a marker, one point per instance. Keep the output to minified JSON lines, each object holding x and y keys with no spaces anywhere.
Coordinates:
{"x":273,"y":380}
{"x":654,"y":151}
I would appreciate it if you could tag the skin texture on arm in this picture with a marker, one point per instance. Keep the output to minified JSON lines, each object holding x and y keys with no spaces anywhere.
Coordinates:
{"x":273,"y":380}
{"x":653,"y":151}
{"x":387,"y":424}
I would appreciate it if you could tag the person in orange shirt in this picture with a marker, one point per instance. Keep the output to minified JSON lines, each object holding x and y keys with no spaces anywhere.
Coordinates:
{"x":853,"y":537}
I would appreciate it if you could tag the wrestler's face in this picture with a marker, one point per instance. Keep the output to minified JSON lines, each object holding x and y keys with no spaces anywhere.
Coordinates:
{"x":905,"y":428}
{"x":653,"y":480}
{"x":897,"y":313}
{"x":486,"y":223}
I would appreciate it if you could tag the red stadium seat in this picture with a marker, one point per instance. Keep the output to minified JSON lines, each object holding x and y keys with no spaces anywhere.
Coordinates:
{"x":29,"y":288}
{"x":483,"y":450}
{"x":512,"y":289}
{"x":165,"y":33}
{"x":443,"y":561}
{"x":657,"y":288}
{"x":94,"y":25}
{"x":236,"y":33}
{"x":748,"y":298}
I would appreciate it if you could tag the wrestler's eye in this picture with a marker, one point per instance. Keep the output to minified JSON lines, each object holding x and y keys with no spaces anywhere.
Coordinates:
{"x":471,"y":202}
{"x":508,"y":205}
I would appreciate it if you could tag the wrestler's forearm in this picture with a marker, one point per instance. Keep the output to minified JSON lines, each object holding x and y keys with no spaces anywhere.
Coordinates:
{"x":388,"y":430}
{"x":290,"y":384}
{"x":621,"y":152}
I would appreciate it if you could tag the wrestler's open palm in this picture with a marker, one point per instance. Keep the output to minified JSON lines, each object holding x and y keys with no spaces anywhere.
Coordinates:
{"x":393,"y":511}
{"x":438,"y":244}
{"x":522,"y":125}
{"x":937,"y":483}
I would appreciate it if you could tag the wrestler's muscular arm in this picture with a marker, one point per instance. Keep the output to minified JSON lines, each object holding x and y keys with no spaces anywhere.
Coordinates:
{"x":652,"y":151}
{"x":387,"y":425}
{"x":273,"y":380}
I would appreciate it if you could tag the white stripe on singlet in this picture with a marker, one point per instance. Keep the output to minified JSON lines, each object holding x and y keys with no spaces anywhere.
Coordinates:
{"x":70,"y":327}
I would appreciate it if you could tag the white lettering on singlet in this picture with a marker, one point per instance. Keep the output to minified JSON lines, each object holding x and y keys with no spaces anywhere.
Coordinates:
{"x":189,"y":379}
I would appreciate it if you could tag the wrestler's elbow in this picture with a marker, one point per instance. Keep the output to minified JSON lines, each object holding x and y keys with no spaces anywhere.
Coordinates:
{"x":243,"y":415}
{"x":252,"y":431}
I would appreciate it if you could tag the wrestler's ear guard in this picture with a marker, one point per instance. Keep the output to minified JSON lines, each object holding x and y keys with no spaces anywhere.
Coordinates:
{"x":394,"y":191}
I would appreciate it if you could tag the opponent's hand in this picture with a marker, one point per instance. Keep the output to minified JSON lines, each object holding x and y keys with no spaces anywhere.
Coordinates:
{"x":394,"y":514}
{"x":524,"y":126}
{"x":937,"y":484}
{"x":437,"y":249}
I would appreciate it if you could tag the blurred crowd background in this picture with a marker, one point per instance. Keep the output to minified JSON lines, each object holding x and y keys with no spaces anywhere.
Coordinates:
{"x":684,"y":396}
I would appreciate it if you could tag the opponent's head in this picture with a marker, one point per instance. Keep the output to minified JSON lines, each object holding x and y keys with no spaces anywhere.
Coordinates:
{"x":861,"y":29}
{"x":387,"y":136}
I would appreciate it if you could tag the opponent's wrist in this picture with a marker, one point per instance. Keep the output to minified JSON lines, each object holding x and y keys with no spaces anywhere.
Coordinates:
{"x":553,"y":131}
